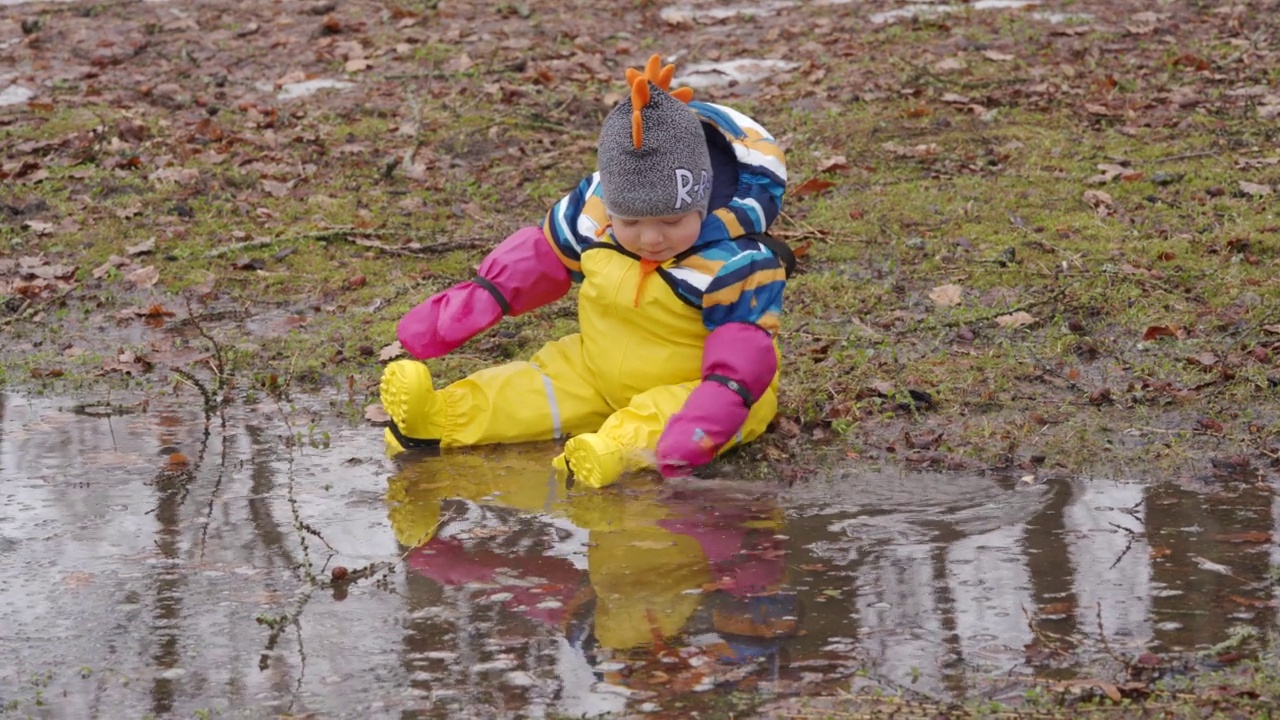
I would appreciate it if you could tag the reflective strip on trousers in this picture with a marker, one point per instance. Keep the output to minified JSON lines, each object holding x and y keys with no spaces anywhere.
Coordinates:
{"x":551,"y":401}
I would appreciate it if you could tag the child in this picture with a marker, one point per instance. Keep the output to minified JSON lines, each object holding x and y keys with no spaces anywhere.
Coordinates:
{"x":679,"y":302}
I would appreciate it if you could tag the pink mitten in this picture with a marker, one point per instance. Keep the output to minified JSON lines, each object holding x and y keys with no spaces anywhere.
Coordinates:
{"x":738,"y":363}
{"x":521,"y":274}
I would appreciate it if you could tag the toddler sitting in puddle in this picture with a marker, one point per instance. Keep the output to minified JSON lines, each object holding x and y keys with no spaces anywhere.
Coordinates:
{"x":679,"y":300}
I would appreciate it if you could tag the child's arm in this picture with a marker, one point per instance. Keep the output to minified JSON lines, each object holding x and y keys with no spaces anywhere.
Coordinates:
{"x":741,"y":306}
{"x":532,"y":267}
{"x":521,"y":274}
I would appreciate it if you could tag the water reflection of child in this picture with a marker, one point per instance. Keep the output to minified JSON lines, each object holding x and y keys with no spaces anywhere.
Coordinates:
{"x":666,"y":370}
{"x":649,"y":556}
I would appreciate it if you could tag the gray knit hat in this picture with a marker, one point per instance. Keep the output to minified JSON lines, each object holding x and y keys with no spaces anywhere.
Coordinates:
{"x":652,"y":154}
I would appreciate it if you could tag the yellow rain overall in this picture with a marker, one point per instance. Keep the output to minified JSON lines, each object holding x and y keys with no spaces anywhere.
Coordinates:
{"x":632,"y":366}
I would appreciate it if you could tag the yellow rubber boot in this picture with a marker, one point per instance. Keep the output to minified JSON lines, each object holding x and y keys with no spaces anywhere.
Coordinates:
{"x":593,"y":459}
{"x":413,"y":404}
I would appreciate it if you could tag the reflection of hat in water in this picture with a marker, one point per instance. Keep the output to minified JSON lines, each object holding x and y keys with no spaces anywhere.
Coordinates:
{"x":652,"y":153}
{"x":771,"y":615}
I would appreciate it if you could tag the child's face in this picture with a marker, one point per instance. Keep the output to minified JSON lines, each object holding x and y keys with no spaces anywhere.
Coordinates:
{"x":658,"y":238}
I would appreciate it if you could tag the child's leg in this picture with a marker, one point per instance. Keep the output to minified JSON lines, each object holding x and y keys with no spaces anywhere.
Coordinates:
{"x":627,"y":440}
{"x":543,"y":398}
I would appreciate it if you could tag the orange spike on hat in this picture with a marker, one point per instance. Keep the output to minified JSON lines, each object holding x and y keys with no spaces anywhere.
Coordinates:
{"x":656,"y":73}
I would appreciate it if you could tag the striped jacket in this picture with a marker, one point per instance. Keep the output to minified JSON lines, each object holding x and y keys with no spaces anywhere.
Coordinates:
{"x":726,"y":275}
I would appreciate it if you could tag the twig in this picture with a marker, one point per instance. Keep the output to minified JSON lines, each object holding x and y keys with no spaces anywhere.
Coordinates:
{"x":236,"y":247}
{"x":1102,"y":635}
{"x":1186,"y":156}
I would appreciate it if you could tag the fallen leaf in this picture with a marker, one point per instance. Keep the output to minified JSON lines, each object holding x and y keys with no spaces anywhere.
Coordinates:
{"x":834,"y":164}
{"x":1253,"y":536}
{"x":1159,"y":331}
{"x":1205,"y":564}
{"x":391,"y":352}
{"x":1015,"y":320}
{"x":39,"y":227}
{"x":1101,"y":202}
{"x":377,"y":414}
{"x":997,"y":56}
{"x":1204,"y":359}
{"x":812,"y":186}
{"x":1255,"y":163}
{"x":1251,"y":602}
{"x":949,"y":65}
{"x":1111,"y":171}
{"x":144,"y":277}
{"x":947,"y":295}
{"x":115,"y":261}
{"x":1254,"y":189}
{"x":357,"y":64}
{"x":181,"y":176}
{"x":275,"y":188}
{"x":918,"y":151}
{"x":128,"y":363}
{"x":141,"y":248}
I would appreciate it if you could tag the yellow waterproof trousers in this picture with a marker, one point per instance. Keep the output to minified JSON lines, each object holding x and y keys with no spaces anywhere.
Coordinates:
{"x":553,"y":395}
{"x":633,"y":366}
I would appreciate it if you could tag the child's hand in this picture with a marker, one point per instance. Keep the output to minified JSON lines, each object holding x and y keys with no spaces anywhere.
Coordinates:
{"x":709,"y":419}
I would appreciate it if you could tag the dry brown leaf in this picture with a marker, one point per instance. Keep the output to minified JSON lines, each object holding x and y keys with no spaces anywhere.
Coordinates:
{"x":144,"y":277}
{"x":917,"y":151}
{"x":275,"y":188}
{"x":1101,"y":202}
{"x":1016,"y":320}
{"x":141,"y":248}
{"x":1255,"y":163}
{"x":296,"y":76}
{"x":1253,"y":536}
{"x":391,"y":352}
{"x":1159,"y":331}
{"x":997,"y":56}
{"x":834,"y":164}
{"x":812,"y":186}
{"x":1111,"y":171}
{"x":1254,"y":189}
{"x":357,"y":64}
{"x":377,"y":414}
{"x":181,"y":176}
{"x":947,"y":295}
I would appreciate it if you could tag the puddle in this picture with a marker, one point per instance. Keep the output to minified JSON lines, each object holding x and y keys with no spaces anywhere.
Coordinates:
{"x":163,"y":569}
{"x":15,"y":94}
{"x":704,"y":75}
